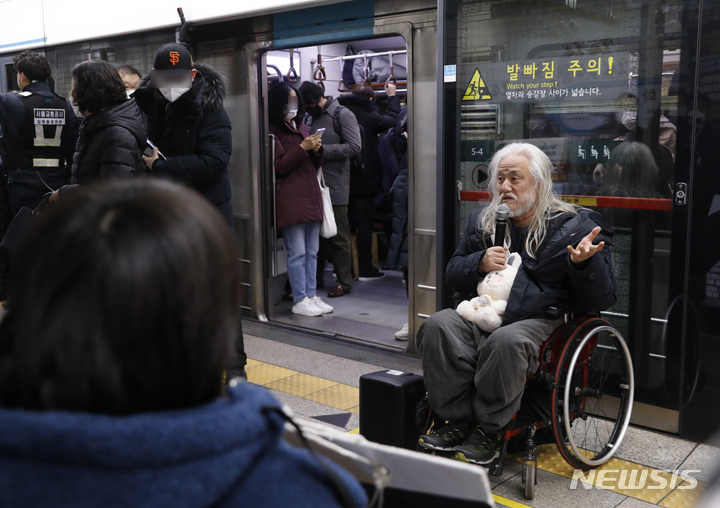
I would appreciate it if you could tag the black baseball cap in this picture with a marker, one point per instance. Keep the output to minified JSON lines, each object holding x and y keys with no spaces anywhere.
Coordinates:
{"x":173,"y":58}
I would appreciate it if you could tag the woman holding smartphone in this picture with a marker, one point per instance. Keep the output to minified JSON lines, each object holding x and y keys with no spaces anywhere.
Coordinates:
{"x":298,"y":203}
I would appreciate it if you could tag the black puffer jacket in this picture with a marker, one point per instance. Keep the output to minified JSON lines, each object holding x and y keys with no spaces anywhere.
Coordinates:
{"x":548,"y":281}
{"x":110,"y":145}
{"x":194,"y":134}
{"x":370,"y":180}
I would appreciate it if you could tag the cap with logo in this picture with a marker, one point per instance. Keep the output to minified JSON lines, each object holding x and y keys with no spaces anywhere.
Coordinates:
{"x":173,"y":60}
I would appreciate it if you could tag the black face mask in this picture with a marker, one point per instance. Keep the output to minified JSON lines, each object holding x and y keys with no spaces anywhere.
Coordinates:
{"x":314,"y":111}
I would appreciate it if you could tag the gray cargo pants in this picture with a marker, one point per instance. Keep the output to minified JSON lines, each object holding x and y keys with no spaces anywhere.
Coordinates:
{"x":469,"y":373}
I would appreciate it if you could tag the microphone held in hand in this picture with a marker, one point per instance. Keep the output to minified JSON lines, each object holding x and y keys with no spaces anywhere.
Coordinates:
{"x":501,"y":216}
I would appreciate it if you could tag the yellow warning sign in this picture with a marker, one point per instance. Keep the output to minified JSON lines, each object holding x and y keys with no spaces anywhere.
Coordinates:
{"x":476,"y":89}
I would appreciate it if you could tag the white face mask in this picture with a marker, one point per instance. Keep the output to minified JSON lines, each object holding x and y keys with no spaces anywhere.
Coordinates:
{"x":291,"y":114}
{"x":174,"y":93}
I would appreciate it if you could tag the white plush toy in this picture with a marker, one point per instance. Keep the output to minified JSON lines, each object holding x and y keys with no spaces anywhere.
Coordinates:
{"x":487,"y":310}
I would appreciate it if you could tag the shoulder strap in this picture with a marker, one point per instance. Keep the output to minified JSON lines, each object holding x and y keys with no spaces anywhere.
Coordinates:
{"x":336,"y":123}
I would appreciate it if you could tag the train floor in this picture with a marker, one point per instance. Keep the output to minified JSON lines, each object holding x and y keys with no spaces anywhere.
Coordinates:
{"x":372,"y":312}
{"x":317,"y":377}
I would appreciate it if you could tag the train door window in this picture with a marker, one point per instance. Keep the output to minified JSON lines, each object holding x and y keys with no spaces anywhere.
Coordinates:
{"x":376,"y":307}
{"x":598,"y":86}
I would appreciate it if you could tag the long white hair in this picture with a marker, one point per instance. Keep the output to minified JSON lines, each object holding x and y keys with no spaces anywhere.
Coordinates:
{"x":549,"y":204}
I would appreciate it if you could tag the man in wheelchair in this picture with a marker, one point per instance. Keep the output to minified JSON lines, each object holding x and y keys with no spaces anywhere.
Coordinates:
{"x":475,"y":380}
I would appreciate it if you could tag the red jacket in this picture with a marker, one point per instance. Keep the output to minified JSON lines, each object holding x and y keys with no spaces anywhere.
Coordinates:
{"x":297,"y":192}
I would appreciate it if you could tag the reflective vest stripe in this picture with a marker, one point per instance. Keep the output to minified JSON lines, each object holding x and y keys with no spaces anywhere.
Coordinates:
{"x":47,"y":142}
{"x":40,"y":136}
{"x":46,"y":163}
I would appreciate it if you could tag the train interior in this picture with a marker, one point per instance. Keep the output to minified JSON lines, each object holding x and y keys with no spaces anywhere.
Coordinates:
{"x":374,"y":310}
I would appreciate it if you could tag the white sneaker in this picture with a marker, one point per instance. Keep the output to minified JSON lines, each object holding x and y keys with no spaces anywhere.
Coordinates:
{"x":404,"y":333}
{"x":324,"y":307}
{"x":306,"y":307}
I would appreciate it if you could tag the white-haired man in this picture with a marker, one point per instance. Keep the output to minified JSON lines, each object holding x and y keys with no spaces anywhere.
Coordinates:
{"x":474,"y":381}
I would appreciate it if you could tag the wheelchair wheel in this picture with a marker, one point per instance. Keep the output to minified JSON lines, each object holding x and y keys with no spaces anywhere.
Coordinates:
{"x":529,"y":476}
{"x":593,"y":395}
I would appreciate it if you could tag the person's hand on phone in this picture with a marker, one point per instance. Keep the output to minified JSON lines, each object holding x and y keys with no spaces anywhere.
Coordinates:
{"x":313,"y":142}
{"x":149,"y":161}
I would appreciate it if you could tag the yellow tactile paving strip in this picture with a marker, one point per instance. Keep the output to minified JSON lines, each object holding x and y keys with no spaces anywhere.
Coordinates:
{"x":324,"y":391}
{"x":347,"y":398}
{"x":619,"y":474}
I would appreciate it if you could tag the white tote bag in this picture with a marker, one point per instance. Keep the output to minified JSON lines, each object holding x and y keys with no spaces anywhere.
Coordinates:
{"x":328,"y":227}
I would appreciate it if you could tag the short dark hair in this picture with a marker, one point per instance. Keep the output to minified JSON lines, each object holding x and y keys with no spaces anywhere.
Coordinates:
{"x":96,"y":86}
{"x":311,"y":93}
{"x":278,"y":94}
{"x":364,"y":91}
{"x":34,"y":65}
{"x":128,"y":70}
{"x":125,"y":299}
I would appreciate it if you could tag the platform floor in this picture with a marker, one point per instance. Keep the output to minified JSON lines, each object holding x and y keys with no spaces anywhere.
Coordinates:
{"x":317,"y":378}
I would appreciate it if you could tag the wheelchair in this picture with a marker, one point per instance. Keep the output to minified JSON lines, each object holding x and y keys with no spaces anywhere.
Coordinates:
{"x":580,"y":397}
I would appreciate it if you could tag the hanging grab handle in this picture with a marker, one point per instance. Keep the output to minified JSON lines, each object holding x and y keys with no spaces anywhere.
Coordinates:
{"x":292,"y":75}
{"x":342,"y":86}
{"x":391,"y":77}
{"x":319,"y":74}
{"x":320,"y":71}
{"x":366,"y":81}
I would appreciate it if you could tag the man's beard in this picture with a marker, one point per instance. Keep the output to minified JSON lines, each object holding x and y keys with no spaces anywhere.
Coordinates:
{"x":525,"y":203}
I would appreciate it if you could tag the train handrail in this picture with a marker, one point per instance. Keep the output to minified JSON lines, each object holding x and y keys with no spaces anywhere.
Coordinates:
{"x":391,"y":76}
{"x":591,"y":201}
{"x":292,"y":75}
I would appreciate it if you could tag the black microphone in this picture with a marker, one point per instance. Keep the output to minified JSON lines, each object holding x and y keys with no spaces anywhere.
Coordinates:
{"x":501,"y":216}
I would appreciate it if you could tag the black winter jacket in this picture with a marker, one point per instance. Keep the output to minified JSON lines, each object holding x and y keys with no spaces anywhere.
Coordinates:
{"x":194,"y":134}
{"x":110,"y":145}
{"x":369,"y":181}
{"x":548,"y":281}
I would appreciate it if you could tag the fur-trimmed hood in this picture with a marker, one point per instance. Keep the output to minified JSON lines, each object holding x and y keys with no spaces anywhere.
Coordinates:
{"x":207,"y":93}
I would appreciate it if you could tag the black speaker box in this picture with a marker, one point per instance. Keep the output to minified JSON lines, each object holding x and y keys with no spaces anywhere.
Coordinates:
{"x":387,"y":407}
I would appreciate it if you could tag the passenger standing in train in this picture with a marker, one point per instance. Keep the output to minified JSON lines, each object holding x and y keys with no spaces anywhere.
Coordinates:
{"x":298,"y":203}
{"x":186,"y":121}
{"x":341,"y":141}
{"x":45,"y":144}
{"x":366,"y":176}
{"x":111,"y":359}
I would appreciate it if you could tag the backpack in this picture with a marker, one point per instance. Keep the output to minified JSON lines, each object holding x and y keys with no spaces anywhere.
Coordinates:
{"x":357,"y":162}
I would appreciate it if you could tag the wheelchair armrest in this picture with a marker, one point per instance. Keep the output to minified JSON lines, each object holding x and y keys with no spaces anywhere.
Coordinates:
{"x":556,"y":312}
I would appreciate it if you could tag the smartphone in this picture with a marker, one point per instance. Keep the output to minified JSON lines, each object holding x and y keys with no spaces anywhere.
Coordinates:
{"x":320,"y":131}
{"x":149,"y":150}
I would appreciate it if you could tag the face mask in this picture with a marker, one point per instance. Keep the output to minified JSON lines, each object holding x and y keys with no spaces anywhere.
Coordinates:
{"x":627,"y":118}
{"x":314,"y":111}
{"x":292,"y":108}
{"x":173,"y":94}
{"x":76,"y":110}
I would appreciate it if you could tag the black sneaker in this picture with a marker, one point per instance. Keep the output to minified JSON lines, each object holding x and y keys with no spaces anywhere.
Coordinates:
{"x":480,"y":448}
{"x":447,"y":436}
{"x":368,"y":276}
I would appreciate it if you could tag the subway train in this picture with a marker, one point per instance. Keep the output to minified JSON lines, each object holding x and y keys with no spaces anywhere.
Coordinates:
{"x":578,"y":78}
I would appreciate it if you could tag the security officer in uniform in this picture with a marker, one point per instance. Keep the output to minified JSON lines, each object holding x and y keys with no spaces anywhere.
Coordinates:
{"x":46,"y":137}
